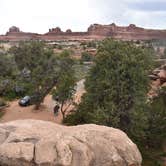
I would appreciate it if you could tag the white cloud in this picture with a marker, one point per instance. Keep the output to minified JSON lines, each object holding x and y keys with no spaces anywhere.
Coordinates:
{"x":40,"y":15}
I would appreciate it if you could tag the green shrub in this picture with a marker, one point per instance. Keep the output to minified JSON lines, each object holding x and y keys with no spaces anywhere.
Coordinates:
{"x":86,"y":57}
{"x":11,"y":95}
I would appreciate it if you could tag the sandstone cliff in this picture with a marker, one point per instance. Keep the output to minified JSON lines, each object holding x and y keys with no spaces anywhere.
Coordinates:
{"x":94,"y":32}
{"x":32,"y":143}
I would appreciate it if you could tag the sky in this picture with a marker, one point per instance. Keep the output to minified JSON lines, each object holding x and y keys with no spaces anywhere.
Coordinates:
{"x":40,"y":15}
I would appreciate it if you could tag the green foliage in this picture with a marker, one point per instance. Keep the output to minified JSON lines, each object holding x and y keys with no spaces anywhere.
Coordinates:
{"x":34,"y":71}
{"x":7,"y":65}
{"x":30,"y":55}
{"x":66,"y":80}
{"x":81,"y":70}
{"x":151,"y":156}
{"x":157,"y":42}
{"x":65,"y":87}
{"x":91,"y":44}
{"x":116,"y":88}
{"x":85,"y":56}
{"x":157,"y":120}
{"x":38,"y":69}
{"x":60,"y":47}
{"x":8,"y":76}
{"x":138,"y":42}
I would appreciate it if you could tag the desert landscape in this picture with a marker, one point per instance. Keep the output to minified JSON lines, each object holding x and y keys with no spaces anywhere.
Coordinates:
{"x":94,"y":32}
{"x":82,"y":83}
{"x":83,"y":49}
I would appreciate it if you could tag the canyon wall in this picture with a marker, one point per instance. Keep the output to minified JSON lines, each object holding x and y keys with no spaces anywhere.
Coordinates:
{"x":94,"y":32}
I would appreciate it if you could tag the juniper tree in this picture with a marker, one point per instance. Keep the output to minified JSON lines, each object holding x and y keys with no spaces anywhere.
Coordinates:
{"x":116,"y":88}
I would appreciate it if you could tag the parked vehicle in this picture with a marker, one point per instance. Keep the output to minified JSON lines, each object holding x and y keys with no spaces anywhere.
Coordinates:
{"x":25,"y":101}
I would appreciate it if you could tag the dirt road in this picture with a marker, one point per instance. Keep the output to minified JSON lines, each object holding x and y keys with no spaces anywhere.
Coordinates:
{"x":15,"y":112}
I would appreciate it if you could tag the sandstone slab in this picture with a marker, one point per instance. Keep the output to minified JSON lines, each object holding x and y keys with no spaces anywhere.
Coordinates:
{"x":39,"y":143}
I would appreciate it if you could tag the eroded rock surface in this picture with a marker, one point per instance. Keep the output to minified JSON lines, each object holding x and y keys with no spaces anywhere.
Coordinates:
{"x":34,"y":142}
{"x":94,"y":32}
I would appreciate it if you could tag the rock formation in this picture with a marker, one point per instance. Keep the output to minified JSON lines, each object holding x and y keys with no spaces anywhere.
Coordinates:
{"x":14,"y":29}
{"x":158,"y":80}
{"x":68,"y":31}
{"x":56,"y":30}
{"x":34,"y":142}
{"x":94,"y":32}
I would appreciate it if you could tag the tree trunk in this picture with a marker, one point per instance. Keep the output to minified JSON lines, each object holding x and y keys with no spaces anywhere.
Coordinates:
{"x":45,"y":92}
{"x":37,"y":106}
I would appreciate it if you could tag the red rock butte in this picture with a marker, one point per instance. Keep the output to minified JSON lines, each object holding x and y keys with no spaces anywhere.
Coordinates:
{"x":94,"y":32}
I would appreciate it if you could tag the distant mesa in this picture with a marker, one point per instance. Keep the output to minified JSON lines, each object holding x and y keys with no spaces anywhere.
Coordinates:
{"x":113,"y":24}
{"x":68,"y":31}
{"x":94,"y":32}
{"x":14,"y":29}
{"x":58,"y":30}
{"x":55,"y":30}
{"x":132,"y":26}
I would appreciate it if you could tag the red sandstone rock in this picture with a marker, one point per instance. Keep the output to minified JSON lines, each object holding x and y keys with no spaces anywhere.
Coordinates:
{"x":55,"y":30}
{"x":68,"y":31}
{"x":14,"y":29}
{"x":95,"y":32}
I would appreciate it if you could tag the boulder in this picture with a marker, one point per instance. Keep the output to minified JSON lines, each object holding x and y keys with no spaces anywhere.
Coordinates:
{"x":162,"y":76}
{"x":35,"y":142}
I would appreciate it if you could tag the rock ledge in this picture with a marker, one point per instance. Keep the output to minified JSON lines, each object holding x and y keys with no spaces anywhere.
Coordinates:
{"x":35,"y":142}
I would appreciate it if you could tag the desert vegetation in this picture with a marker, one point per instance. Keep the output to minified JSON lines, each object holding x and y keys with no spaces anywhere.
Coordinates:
{"x":32,"y":69}
{"x":66,"y":83}
{"x":116,"y":85}
{"x":116,"y":95}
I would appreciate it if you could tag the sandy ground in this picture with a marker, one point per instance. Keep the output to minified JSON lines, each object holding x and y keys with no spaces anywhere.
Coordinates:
{"x":15,"y":112}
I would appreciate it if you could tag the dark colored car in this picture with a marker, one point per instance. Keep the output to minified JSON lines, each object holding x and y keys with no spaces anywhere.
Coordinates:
{"x":25,"y":101}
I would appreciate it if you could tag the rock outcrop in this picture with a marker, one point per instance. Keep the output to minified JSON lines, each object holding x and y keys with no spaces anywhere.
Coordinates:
{"x":14,"y":29}
{"x":56,"y":30}
{"x":33,"y":142}
{"x":94,"y":32}
{"x":158,"y":80}
{"x":68,"y":31}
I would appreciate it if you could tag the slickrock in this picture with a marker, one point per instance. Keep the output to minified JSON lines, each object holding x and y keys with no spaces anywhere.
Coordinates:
{"x":34,"y":143}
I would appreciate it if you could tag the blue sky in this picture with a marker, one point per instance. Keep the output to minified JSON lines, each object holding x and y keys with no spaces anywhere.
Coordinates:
{"x":40,"y":15}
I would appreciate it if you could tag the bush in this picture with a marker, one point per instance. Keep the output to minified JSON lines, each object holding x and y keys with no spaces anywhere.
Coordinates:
{"x":91,"y":44}
{"x":116,"y":88}
{"x":116,"y":96}
{"x":86,"y":57}
{"x":157,"y":120}
{"x":11,"y":95}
